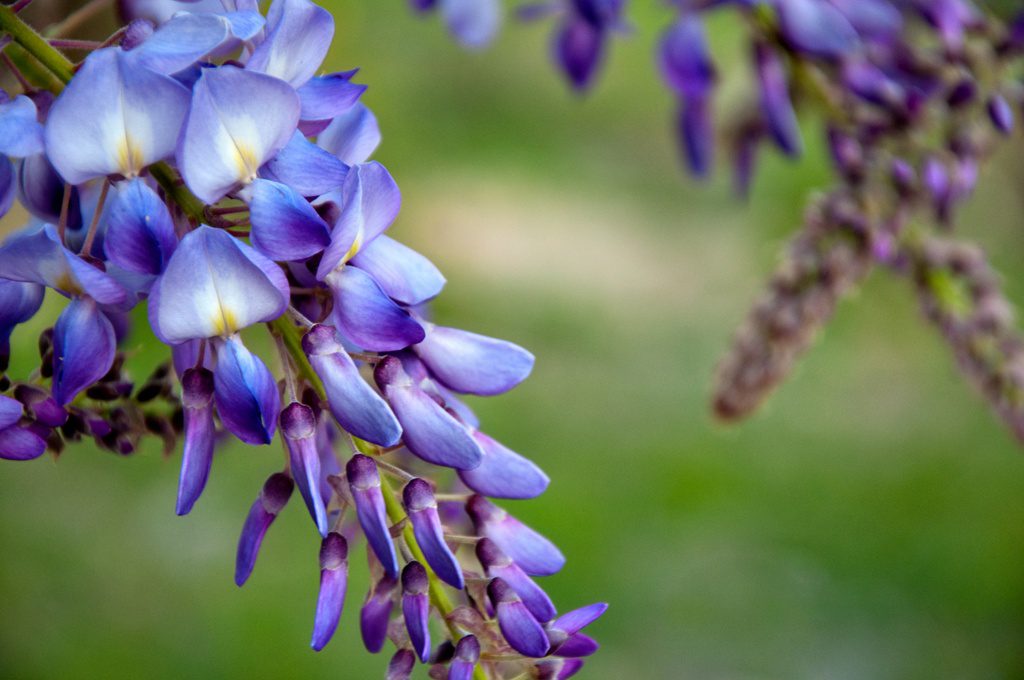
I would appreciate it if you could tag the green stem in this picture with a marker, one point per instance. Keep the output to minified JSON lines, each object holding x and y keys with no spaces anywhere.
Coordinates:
{"x":34,"y":44}
{"x":283,"y":327}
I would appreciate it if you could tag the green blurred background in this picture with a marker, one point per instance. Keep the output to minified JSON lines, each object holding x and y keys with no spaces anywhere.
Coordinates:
{"x":869,"y":523}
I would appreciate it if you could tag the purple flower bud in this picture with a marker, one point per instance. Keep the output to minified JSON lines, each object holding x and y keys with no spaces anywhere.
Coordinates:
{"x":17,"y":443}
{"x":775,"y":102}
{"x":1001,"y":114}
{"x":83,"y":348}
{"x":426,"y":524}
{"x":376,"y":614}
{"x":503,"y":473}
{"x":577,"y":645}
{"x":471,"y":363}
{"x":903,"y":176}
{"x":197,"y":455}
{"x":570,"y":623}
{"x":520,"y":629}
{"x":333,"y":582}
{"x":937,"y":182}
{"x":961,"y":94}
{"x":416,"y":608}
{"x":41,"y":406}
{"x":816,"y":27}
{"x":847,"y":153}
{"x":41,"y":191}
{"x":579,"y":50}
{"x":298,"y":425}
{"x":246,"y":393}
{"x":558,"y":669}
{"x":273,"y":496}
{"x":467,"y":653}
{"x":353,"y":402}
{"x":430,"y":432}
{"x":364,"y":482}
{"x":497,"y":565}
{"x":401,"y":665}
{"x":534,"y":554}
{"x":19,"y":302}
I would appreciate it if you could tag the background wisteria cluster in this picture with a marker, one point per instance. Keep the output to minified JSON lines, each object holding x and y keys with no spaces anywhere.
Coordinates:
{"x":876,"y":435}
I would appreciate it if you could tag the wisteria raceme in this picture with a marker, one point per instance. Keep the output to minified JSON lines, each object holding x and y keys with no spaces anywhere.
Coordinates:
{"x":911,"y":94}
{"x":198,"y":165}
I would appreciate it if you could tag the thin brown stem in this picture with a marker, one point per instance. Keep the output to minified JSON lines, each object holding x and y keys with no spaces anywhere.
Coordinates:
{"x":16,"y":72}
{"x":80,"y":45}
{"x":65,"y":207}
{"x":91,"y":236}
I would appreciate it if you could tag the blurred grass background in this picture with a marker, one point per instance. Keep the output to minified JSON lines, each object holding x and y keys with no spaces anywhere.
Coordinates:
{"x":869,"y":523}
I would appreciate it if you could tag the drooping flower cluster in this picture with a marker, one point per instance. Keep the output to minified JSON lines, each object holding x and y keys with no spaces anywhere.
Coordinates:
{"x":913,"y":94}
{"x":201,"y":168}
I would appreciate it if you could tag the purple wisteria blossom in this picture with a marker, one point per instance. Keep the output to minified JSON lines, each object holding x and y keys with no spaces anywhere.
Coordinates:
{"x":202,"y":166}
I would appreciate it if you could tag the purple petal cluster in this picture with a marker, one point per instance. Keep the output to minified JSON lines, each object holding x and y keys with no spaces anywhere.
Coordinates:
{"x":200,"y":166}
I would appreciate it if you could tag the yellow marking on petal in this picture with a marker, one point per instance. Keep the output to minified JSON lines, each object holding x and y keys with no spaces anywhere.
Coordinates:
{"x":65,"y":282}
{"x":245,"y":159}
{"x":356,"y":245}
{"x":129,"y":157}
{"x":225,"y":323}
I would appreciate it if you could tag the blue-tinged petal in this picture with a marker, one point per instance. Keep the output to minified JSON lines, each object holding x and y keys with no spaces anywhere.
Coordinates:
{"x":503,"y":473}
{"x":355,"y":405}
{"x":429,"y":431}
{"x":181,"y":41}
{"x":114,"y":118}
{"x":375,"y":614}
{"x":273,"y":496}
{"x":325,"y":97}
{"x":367,"y":316}
{"x":816,"y":27}
{"x":518,"y":627}
{"x":370,"y":203}
{"x":214,"y":286}
{"x":416,"y":608}
{"x":333,"y":584}
{"x":17,"y":443}
{"x":471,"y":363}
{"x":83,"y":348}
{"x":8,"y":185}
{"x":238,"y":121}
{"x":246,"y":393}
{"x":404,"y":274}
{"x":474,"y":23}
{"x":38,"y":257}
{"x":41,"y":192}
{"x":21,"y":134}
{"x":305,"y":167}
{"x":284,"y":225}
{"x":140,"y":233}
{"x":245,"y":23}
{"x":298,"y":36}
{"x":535,"y":554}
{"x":197,"y":455}
{"x":298,"y":425}
{"x":19,"y":302}
{"x":353,"y":136}
{"x":775,"y":102}
{"x":871,"y":18}
{"x":421,"y":508}
{"x":10,"y":411}
{"x":364,"y":483}
{"x":697,"y":135}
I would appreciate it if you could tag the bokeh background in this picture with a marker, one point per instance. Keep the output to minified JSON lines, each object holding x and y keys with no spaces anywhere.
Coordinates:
{"x":869,"y":523}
